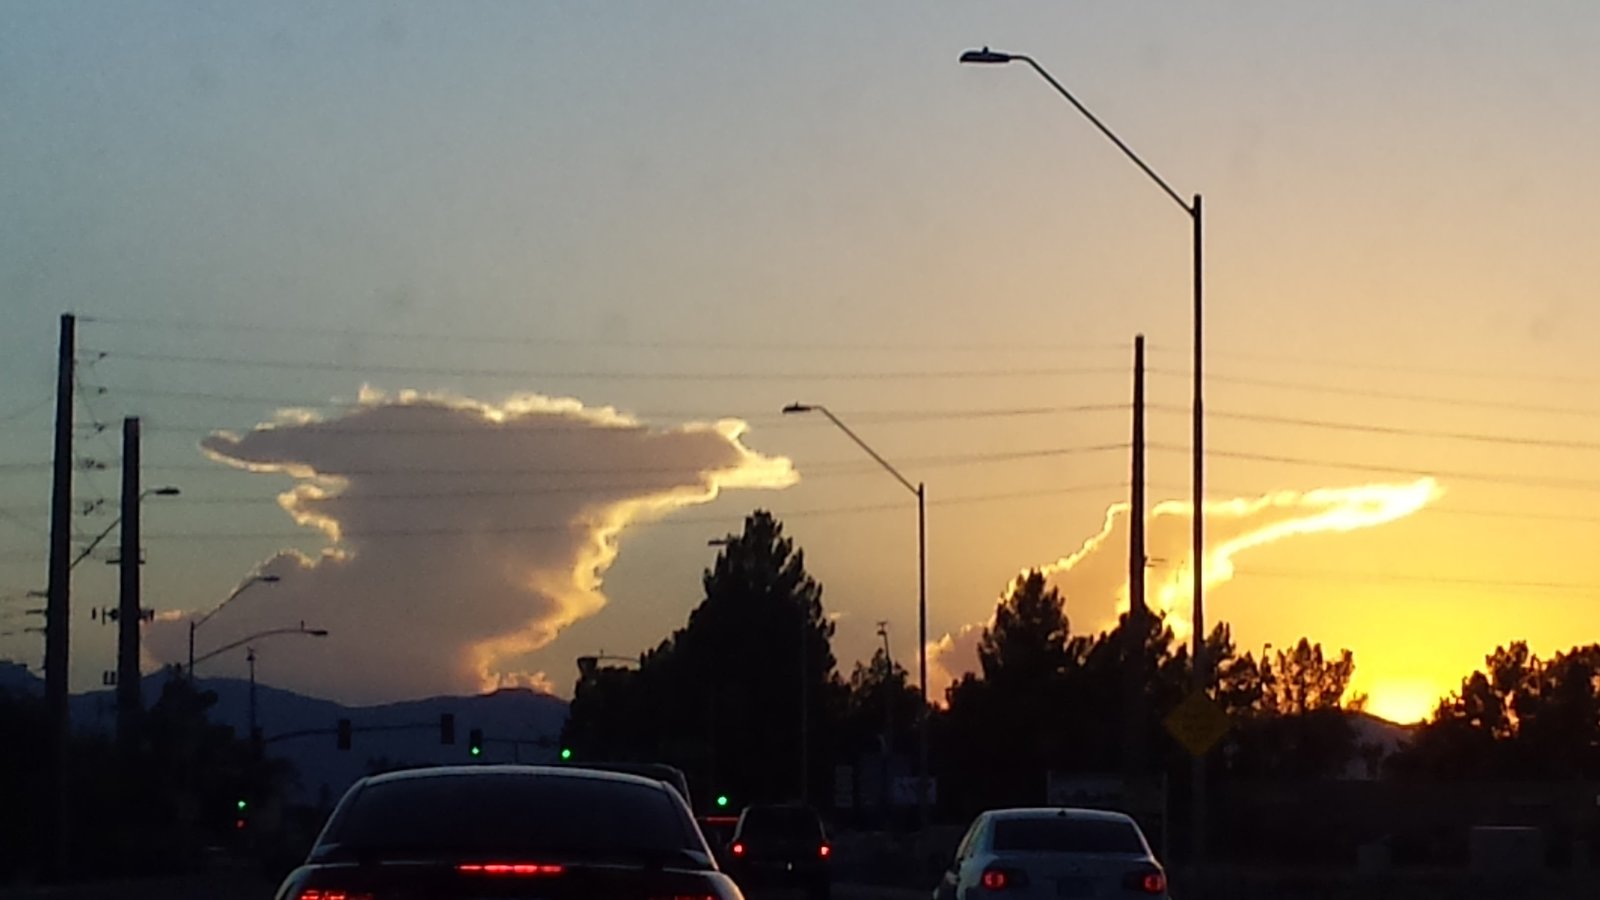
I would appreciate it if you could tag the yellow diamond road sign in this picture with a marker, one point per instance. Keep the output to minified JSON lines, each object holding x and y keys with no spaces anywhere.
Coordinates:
{"x":1198,"y":723}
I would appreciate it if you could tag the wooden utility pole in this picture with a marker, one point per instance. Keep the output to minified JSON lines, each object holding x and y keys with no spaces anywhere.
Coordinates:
{"x":129,"y":611}
{"x":1137,"y":623}
{"x":58,"y":605}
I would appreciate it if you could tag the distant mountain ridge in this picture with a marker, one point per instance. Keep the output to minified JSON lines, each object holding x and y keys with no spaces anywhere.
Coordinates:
{"x":518,"y":725}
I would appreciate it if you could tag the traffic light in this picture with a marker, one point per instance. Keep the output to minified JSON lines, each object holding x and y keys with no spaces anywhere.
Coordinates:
{"x":243,"y":805}
{"x":722,"y":801}
{"x":344,"y":734}
{"x":447,"y":728}
{"x":566,"y":753}
{"x":475,"y":742}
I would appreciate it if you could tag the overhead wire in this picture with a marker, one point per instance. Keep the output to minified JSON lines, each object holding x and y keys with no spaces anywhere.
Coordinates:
{"x":300,"y":365}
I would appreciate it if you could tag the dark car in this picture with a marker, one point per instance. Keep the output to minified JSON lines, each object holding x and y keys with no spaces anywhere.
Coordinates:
{"x":509,"y":831}
{"x":781,"y":846}
{"x":672,"y":775}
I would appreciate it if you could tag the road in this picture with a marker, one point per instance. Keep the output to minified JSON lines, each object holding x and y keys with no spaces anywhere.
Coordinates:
{"x":244,"y":887}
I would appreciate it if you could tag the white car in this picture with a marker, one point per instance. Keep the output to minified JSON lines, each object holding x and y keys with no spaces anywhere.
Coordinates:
{"x":1056,"y":853}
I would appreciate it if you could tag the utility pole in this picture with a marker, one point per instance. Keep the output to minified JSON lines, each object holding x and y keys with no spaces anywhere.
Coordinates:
{"x":58,"y":604}
{"x":1137,"y":623}
{"x":129,"y":611}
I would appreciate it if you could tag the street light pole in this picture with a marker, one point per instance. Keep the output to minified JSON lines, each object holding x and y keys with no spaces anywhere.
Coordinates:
{"x":194,"y":624}
{"x":921,"y":492}
{"x":1200,"y":670}
{"x":270,"y":632}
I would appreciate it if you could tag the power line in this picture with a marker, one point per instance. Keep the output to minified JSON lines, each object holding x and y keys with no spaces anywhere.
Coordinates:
{"x":1441,"y":371}
{"x":841,"y":465}
{"x":1415,"y":578}
{"x":807,"y":346}
{"x":26,"y":409}
{"x":566,"y":528}
{"x":527,"y":374}
{"x":1297,"y":421}
{"x":1437,"y":399}
{"x":1487,"y":477}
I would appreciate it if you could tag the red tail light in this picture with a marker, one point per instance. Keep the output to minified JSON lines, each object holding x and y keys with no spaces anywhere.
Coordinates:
{"x":510,"y":869}
{"x":738,"y":849}
{"x":322,"y":894}
{"x":1149,"y":881}
{"x":824,"y":850}
{"x":998,"y":879}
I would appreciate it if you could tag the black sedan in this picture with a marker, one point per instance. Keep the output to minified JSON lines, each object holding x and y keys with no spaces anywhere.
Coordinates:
{"x":509,"y":832}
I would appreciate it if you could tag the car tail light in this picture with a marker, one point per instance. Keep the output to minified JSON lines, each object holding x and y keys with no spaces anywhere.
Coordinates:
{"x":1148,"y":881}
{"x":824,"y":851}
{"x":738,"y":849}
{"x":995,"y":878}
{"x":333,"y":894}
{"x":507,"y":868}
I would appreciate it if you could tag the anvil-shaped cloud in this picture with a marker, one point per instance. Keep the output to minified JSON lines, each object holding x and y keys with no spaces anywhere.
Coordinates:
{"x":461,"y":533}
{"x":1094,"y":578}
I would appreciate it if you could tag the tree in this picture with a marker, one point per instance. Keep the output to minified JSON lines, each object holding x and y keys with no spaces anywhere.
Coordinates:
{"x":1518,"y":716}
{"x":1027,"y":644}
{"x":740,"y":694}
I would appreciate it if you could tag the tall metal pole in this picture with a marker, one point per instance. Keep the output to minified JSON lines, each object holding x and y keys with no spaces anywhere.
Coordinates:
{"x":1202,"y":679}
{"x":58,"y":605}
{"x":128,"y":607}
{"x":923,"y":786}
{"x":1201,"y":674}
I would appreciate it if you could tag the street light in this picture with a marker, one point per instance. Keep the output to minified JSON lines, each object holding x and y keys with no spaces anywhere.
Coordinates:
{"x":196,"y":623}
{"x":920,"y":490}
{"x":1200,"y":674}
{"x":270,"y":632}
{"x":83,"y":554}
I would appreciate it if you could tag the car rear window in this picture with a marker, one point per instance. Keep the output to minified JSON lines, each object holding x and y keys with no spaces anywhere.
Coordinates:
{"x":1066,"y":835}
{"x":781,"y":821}
{"x":513,"y":813}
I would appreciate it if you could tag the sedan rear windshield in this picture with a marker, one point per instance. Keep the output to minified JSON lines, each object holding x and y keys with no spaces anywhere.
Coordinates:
{"x":1066,"y":835}
{"x":781,"y":822}
{"x":583,"y":817}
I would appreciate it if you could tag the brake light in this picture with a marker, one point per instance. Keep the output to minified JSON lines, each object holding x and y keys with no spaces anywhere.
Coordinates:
{"x":1150,"y":881}
{"x":738,"y":849}
{"x":509,"y":869}
{"x":320,"y":894}
{"x":997,"y":879}
{"x":824,"y":850}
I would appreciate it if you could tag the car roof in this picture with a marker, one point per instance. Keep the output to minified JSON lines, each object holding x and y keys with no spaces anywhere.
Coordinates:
{"x":503,"y":770}
{"x":1059,"y":812}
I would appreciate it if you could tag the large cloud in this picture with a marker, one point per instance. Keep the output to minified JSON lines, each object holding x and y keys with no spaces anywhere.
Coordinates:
{"x":461,"y":534}
{"x":1094,"y":578}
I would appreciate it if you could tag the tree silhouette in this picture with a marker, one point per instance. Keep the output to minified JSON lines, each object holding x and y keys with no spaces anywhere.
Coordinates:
{"x":726,"y":696}
{"x":1522,"y":716}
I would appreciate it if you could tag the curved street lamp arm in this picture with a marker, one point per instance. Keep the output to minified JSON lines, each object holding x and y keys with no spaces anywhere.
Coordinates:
{"x":313,"y":632}
{"x":1110,"y":135}
{"x":870,"y":452}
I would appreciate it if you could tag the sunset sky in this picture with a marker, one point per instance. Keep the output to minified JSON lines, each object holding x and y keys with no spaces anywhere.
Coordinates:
{"x":562,"y":250}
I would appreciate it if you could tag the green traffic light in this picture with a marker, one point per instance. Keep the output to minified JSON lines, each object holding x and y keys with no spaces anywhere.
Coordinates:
{"x":722,"y":799}
{"x":242,"y":805}
{"x":476,"y":750}
{"x":566,"y":752}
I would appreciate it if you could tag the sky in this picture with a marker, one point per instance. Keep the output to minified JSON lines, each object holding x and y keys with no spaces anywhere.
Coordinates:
{"x":577,"y":257}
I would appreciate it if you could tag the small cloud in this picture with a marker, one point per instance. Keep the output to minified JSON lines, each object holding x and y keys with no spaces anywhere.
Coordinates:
{"x":1094,"y":578}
